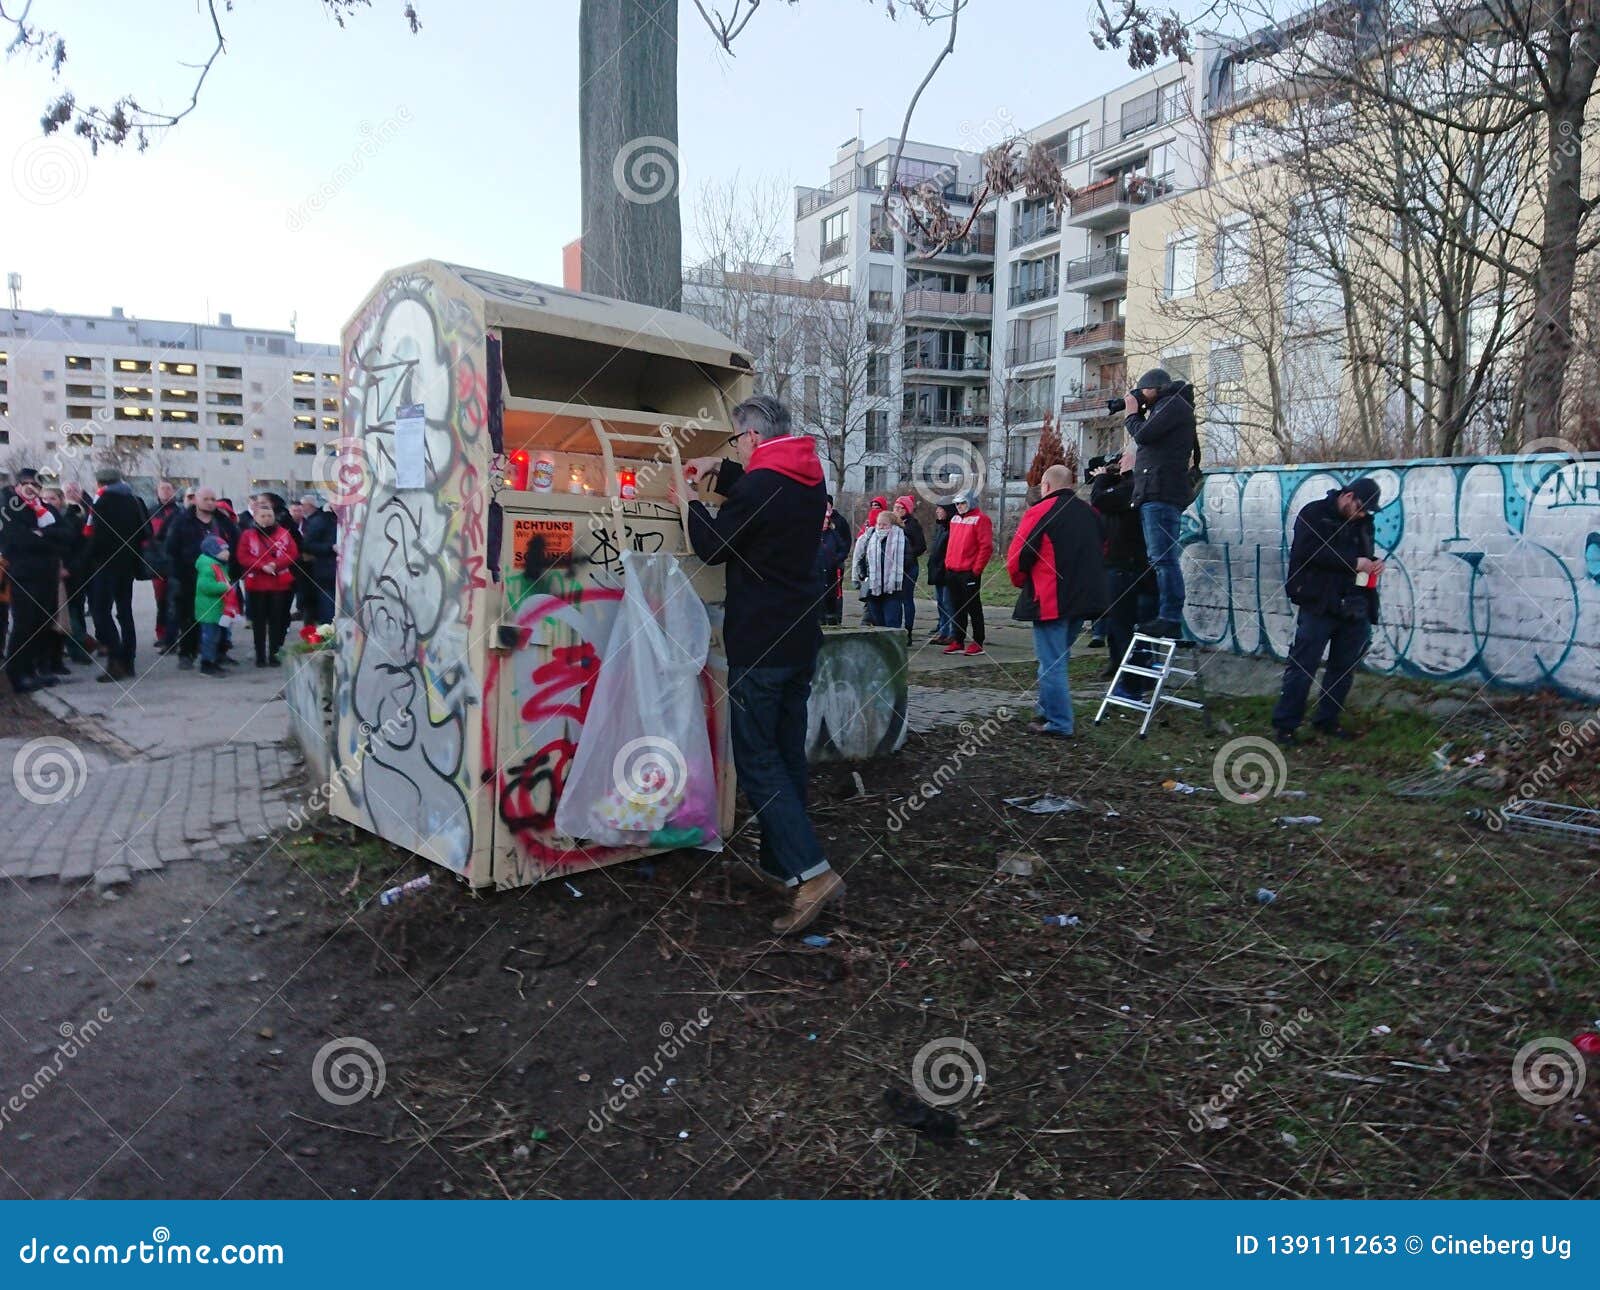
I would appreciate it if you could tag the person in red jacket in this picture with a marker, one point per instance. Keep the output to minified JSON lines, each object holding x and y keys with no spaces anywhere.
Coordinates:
{"x":1056,"y":563}
{"x":267,"y":554}
{"x":966,"y":556}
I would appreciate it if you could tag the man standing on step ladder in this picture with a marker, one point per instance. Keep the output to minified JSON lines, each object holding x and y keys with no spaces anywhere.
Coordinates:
{"x":1161,"y":424}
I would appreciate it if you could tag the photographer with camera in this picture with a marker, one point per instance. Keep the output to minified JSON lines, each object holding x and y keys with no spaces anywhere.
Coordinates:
{"x":1161,"y":424}
{"x":1130,"y":583}
{"x":1333,"y":578}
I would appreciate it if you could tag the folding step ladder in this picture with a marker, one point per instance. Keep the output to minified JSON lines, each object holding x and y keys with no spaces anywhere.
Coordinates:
{"x":1155,"y":657}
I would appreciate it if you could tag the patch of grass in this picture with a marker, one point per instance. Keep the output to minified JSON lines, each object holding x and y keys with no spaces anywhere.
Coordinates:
{"x":350,"y":866}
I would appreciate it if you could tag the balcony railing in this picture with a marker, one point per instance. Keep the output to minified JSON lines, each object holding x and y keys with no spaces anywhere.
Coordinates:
{"x":834,"y":249}
{"x":979,"y":244}
{"x":949,"y":302}
{"x":1038,"y":352}
{"x":1129,"y":190}
{"x":944,"y":419}
{"x":1024,"y":293}
{"x":1023,"y":413}
{"x":1094,"y":335}
{"x":880,"y":300}
{"x":920,"y":362}
{"x":1092,"y":399}
{"x":881,"y":239}
{"x":1033,"y":229}
{"x":1152,"y":109}
{"x":813,"y":199}
{"x":1097,"y":265}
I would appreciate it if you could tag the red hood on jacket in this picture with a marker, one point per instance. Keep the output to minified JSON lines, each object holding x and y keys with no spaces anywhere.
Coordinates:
{"x":794,"y":455}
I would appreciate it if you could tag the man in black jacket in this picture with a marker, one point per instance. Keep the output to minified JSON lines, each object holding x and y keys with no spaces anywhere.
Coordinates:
{"x":117,"y":526}
{"x":1162,"y":425}
{"x":1333,"y":579}
{"x":319,"y":555}
{"x":33,"y":565}
{"x":1055,"y":560}
{"x":832,"y":553}
{"x":916,"y":546}
{"x":1130,"y":581}
{"x":766,"y":532}
{"x":184,"y":534}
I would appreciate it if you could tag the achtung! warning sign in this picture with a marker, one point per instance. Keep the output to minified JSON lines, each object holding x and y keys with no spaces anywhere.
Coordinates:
{"x":556,"y":536}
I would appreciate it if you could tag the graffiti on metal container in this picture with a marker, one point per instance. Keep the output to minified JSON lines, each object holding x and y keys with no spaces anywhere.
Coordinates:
{"x":1493,"y":570}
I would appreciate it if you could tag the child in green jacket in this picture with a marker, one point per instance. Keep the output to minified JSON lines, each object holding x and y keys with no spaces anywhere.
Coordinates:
{"x":214,"y":596}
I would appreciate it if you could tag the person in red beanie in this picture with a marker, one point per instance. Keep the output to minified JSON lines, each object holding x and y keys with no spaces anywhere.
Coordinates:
{"x":970,"y":549}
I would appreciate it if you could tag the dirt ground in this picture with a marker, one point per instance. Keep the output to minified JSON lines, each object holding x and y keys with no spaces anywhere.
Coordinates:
{"x":1365,"y":1017}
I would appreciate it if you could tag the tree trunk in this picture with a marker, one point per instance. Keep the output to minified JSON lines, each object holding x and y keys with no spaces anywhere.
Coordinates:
{"x":628,"y":132}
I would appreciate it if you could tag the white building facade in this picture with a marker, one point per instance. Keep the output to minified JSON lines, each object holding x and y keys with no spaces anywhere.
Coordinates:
{"x":241,"y":409}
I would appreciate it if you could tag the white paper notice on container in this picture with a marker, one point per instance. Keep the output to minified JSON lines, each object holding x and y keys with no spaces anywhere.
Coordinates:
{"x":410,"y":447}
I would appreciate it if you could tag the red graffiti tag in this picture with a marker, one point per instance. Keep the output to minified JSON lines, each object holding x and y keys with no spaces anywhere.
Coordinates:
{"x":571,"y":667}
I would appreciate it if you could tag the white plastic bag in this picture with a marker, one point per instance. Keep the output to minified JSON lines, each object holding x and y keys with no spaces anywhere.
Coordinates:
{"x":642,"y":773}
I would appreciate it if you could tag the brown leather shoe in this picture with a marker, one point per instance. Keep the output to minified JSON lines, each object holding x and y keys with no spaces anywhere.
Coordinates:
{"x":809,"y":898}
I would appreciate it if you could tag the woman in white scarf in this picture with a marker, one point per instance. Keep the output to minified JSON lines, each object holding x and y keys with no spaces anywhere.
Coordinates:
{"x":879,"y":563}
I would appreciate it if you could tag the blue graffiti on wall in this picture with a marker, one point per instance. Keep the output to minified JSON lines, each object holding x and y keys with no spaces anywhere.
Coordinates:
{"x":1493,"y":566}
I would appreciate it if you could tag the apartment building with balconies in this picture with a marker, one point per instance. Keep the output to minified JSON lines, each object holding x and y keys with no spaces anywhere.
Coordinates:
{"x":1061,"y":278}
{"x":243,"y":409}
{"x":930,"y":313}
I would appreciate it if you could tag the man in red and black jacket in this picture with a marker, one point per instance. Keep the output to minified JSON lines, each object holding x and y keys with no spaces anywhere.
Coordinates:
{"x":1055,"y":560}
{"x":766,"y":531}
{"x":966,"y":556}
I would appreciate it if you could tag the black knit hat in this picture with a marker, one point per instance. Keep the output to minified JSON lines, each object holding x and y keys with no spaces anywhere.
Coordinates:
{"x":1366,"y":492}
{"x":1157,"y":378}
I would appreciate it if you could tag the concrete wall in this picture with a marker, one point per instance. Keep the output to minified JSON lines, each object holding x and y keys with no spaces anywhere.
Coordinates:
{"x":858,"y":696}
{"x":1493,"y":575}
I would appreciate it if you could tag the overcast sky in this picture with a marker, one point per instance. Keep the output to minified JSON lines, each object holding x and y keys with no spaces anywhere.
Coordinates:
{"x":460,"y":142}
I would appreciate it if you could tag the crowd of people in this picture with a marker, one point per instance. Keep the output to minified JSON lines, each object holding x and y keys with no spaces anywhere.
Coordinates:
{"x":70,"y":560}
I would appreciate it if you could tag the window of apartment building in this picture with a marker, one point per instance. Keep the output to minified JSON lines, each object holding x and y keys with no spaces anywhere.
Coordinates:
{"x":1173,"y":101}
{"x":304,"y":448}
{"x":1020,"y":450}
{"x":330,"y":425}
{"x":79,"y":439}
{"x":77,"y":391}
{"x":879,"y":333}
{"x":135,"y":442}
{"x":877,"y":375}
{"x":1183,"y":250}
{"x":1179,"y":365}
{"x":330,"y":405}
{"x":811,"y":405}
{"x":810,"y":345}
{"x":140,"y":366}
{"x":304,"y":422}
{"x":140,"y":392}
{"x":177,"y":369}
{"x":305,"y":405}
{"x":5,"y":385}
{"x":931,"y":348}
{"x":1232,"y":264}
{"x":225,"y":445}
{"x":79,"y":363}
{"x":1113,"y":308}
{"x":49,"y":374}
{"x":1311,"y":373}
{"x":877,"y":430}
{"x":840,"y":277}
{"x":1033,"y":219}
{"x":1032,"y":398}
{"x":80,"y":411}
{"x":881,"y":232}
{"x":180,"y":396}
{"x":1077,"y":137}
{"x":1313,"y":257}
{"x":330,"y":378}
{"x":304,"y":378}
{"x":125,"y":413}
{"x":225,"y":418}
{"x":932,"y":280}
{"x":224,"y":373}
{"x":1033,"y":340}
{"x":180,"y":445}
{"x":1035,"y":279}
{"x":179,"y":414}
{"x":223,"y":399}
{"x":833,"y":234}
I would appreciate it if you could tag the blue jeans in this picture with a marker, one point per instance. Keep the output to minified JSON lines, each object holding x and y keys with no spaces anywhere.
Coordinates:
{"x":885,"y":611}
{"x":768,"y":707}
{"x":1345,"y":643}
{"x":1160,"y":523}
{"x":1052,"y":646}
{"x":908,"y":600}
{"x":210,"y":641}
{"x":947,"y":611}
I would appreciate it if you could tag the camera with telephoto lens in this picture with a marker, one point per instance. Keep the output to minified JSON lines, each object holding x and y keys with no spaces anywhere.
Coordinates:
{"x":1119,"y":404}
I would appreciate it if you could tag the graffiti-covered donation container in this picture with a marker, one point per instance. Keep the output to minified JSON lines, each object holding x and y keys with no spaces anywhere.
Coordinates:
{"x":503,"y":486}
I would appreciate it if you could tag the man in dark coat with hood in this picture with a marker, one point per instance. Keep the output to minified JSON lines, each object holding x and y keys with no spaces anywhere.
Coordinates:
{"x":1162,"y":425}
{"x":319,"y":556}
{"x":766,"y":532}
{"x":1333,"y":577}
{"x":32,"y":547}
